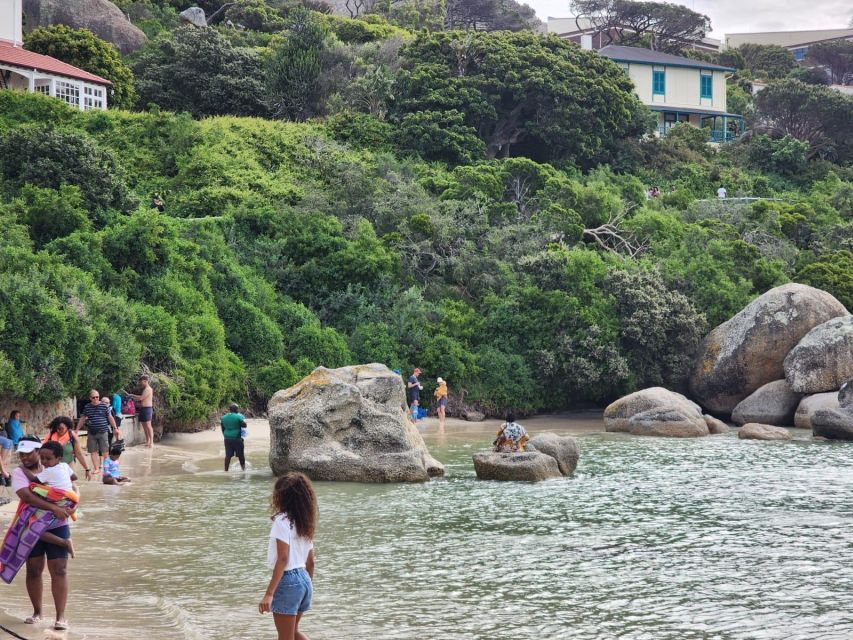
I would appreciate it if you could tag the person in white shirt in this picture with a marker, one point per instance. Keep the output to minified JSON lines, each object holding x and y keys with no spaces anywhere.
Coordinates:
{"x":721,"y":193}
{"x":290,"y":554}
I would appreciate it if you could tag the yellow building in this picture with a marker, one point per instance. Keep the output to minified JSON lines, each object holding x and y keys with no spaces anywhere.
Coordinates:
{"x":679,"y":89}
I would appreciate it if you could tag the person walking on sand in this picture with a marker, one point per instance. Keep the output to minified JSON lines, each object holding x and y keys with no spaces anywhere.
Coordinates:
{"x":98,"y":418}
{"x":233,"y":431}
{"x":414,"y":386}
{"x":440,"y":396}
{"x":56,"y":556}
{"x":146,"y":409}
{"x":290,"y":554}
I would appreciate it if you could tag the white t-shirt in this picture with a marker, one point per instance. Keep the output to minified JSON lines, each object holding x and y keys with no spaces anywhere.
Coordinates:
{"x":300,"y":547}
{"x":721,"y":192}
{"x":58,"y":476}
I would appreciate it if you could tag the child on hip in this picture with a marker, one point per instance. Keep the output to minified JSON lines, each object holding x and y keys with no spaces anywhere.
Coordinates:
{"x":56,"y":474}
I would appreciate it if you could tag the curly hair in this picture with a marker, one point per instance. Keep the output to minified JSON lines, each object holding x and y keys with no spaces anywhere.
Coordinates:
{"x":293,"y":495}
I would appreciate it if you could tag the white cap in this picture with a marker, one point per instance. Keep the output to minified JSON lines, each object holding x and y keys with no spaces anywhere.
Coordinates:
{"x":440,"y":380}
{"x":28,"y":446}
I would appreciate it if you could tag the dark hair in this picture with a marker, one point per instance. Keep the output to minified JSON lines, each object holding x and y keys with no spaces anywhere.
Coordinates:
{"x":233,"y":407}
{"x":510,"y":417}
{"x":14,"y":413}
{"x":116,"y":449}
{"x":54,"y":447}
{"x":294,"y":496}
{"x":58,"y":420}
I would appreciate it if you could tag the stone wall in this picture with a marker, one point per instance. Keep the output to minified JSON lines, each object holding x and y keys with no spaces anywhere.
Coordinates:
{"x":36,"y":417}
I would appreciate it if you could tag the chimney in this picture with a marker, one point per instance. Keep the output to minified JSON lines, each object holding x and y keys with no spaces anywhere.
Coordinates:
{"x":586,"y":42}
{"x":11,"y":22}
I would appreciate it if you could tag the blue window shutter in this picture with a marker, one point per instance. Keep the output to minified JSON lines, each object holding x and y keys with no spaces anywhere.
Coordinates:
{"x":659,"y":82}
{"x":706,"y":86}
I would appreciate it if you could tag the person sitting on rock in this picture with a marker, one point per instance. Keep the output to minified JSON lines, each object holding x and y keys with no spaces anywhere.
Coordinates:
{"x":511,"y":436}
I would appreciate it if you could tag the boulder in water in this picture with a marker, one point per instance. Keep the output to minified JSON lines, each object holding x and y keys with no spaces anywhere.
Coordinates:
{"x":530,"y":466}
{"x":835,"y":424}
{"x":348,"y":424}
{"x":564,"y":449}
{"x":715,"y":426}
{"x":823,"y":359}
{"x":756,"y":431}
{"x":810,"y":404}
{"x":618,"y":414}
{"x":748,"y":351}
{"x":773,"y":403}
{"x":668,"y":423}
{"x":101,"y":17}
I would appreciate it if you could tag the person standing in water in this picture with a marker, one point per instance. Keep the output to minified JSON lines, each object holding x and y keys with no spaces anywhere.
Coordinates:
{"x":98,"y":418}
{"x":233,"y":425}
{"x":290,"y":554}
{"x":146,"y":409}
{"x":440,"y":396}
{"x":414,"y":386}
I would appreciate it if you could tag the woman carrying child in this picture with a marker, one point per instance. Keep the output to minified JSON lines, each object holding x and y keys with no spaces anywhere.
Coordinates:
{"x":290,"y":554}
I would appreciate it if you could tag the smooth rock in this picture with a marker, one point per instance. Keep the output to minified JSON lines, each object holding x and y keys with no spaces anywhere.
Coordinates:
{"x":348,"y":424}
{"x":823,"y":359}
{"x":668,"y":423}
{"x":530,"y":466}
{"x":845,"y":395}
{"x":773,"y":403}
{"x":748,"y":351}
{"x":810,"y":404}
{"x":715,"y":427}
{"x":474,"y":416}
{"x":834,"y":424}
{"x":101,"y":17}
{"x":194,"y":16}
{"x":756,"y":431}
{"x":618,"y":414}
{"x":564,"y":449}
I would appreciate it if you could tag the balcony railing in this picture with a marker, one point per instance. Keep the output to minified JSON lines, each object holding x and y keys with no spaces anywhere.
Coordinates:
{"x":714,"y":135}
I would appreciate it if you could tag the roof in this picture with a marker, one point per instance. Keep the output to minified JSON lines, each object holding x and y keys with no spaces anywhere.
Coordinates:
{"x":787,"y":39}
{"x":18,"y":57}
{"x":647,"y":56}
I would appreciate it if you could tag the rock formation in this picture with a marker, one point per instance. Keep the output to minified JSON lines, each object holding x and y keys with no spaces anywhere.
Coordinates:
{"x":617,"y":416}
{"x":564,"y":449}
{"x":194,"y":16}
{"x":530,"y":466}
{"x":748,"y":351}
{"x":668,"y":423}
{"x":823,"y":359}
{"x":715,"y":426}
{"x":755,"y":431}
{"x":773,"y":403}
{"x":810,"y":404}
{"x":348,"y":424}
{"x":835,"y":424}
{"x":101,"y":17}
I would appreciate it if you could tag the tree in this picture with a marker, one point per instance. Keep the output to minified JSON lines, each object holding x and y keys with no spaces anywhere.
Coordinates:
{"x":812,"y":113}
{"x":199,"y":71}
{"x":523,"y":94}
{"x":489,"y":15}
{"x":836,"y":57}
{"x":809,"y":75}
{"x":767,"y":59}
{"x":437,"y":135}
{"x":81,"y":48}
{"x":670,"y":26}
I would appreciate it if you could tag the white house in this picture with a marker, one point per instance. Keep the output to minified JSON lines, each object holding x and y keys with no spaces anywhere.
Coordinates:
{"x":27,"y":71}
{"x":679,"y":89}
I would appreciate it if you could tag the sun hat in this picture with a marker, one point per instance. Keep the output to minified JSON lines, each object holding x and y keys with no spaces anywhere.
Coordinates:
{"x":439,"y":380}
{"x":28,"y":446}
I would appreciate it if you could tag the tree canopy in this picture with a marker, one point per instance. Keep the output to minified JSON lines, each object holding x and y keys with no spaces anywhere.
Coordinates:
{"x":836,"y":57}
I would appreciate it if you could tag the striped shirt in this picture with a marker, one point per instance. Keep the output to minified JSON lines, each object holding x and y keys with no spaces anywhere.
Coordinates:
{"x":97,"y":420}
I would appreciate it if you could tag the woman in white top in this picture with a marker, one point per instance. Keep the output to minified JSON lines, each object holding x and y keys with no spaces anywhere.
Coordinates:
{"x":290,"y":554}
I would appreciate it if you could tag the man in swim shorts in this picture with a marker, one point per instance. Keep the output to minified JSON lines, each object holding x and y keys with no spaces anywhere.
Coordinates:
{"x":146,"y":409}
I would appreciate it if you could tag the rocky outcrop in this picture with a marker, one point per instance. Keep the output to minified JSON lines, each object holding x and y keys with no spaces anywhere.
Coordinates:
{"x":668,"y":423}
{"x":473,"y":416}
{"x":845,"y":395}
{"x":194,"y":16}
{"x":348,"y":424}
{"x":748,"y":351}
{"x":835,"y":424}
{"x":101,"y":17}
{"x":810,"y":404}
{"x":715,"y":426}
{"x":617,"y":416}
{"x":823,"y":359}
{"x":564,"y":449}
{"x":755,"y":431}
{"x":530,"y":466}
{"x":773,"y":403}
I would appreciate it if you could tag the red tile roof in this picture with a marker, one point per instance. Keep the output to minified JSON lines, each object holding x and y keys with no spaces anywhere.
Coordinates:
{"x":18,"y":57}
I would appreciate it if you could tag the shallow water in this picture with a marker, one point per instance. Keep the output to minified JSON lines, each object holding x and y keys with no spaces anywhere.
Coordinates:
{"x":712,"y":538}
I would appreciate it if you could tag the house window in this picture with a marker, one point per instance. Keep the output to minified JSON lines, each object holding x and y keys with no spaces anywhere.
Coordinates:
{"x":93,"y":98}
{"x":67,"y":92}
{"x":43,"y":89}
{"x":624,"y":67}
{"x":800,"y":53}
{"x":659,"y":82}
{"x":706,"y":86}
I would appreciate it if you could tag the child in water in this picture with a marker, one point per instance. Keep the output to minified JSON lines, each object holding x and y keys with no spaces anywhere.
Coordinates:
{"x":111,"y":473}
{"x":55,"y":474}
{"x":290,"y":554}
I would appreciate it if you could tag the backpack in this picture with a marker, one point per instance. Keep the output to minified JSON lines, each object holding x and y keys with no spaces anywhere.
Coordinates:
{"x":128,"y":407}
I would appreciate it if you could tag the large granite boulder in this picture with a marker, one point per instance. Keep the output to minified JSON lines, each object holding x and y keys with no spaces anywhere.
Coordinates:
{"x":810,"y":404}
{"x":564,"y":449}
{"x":845,"y":395}
{"x":668,"y":423}
{"x":530,"y":466}
{"x":748,"y":351}
{"x":194,"y":16}
{"x":348,"y":424}
{"x":835,"y":424}
{"x":773,"y":403}
{"x":101,"y":17}
{"x":715,"y":425}
{"x":823,"y":359}
{"x":617,"y":416}
{"x":755,"y":431}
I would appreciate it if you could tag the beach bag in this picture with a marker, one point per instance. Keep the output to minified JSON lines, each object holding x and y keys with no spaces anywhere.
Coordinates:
{"x":128,"y":407}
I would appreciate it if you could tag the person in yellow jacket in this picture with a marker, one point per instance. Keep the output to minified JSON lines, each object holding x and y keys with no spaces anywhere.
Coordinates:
{"x":441,"y":400}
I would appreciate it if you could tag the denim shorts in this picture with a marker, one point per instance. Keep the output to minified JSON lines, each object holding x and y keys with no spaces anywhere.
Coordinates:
{"x":293,"y":593}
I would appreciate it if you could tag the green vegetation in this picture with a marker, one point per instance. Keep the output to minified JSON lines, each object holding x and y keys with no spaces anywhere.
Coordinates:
{"x":473,"y":203}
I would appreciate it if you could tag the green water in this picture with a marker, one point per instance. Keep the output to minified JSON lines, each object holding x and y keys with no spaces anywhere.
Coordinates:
{"x":712,"y":538}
